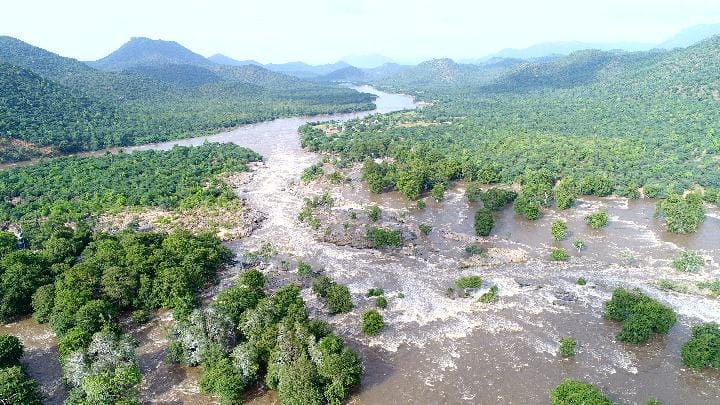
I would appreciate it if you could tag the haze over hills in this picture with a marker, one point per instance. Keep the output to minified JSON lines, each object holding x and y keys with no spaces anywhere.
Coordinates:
{"x":145,"y":51}
{"x":691,"y":36}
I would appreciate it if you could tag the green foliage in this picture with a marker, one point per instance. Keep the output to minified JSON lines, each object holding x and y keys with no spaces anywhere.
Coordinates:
{"x":579,"y":244}
{"x":473,"y":192}
{"x":484,"y":222}
{"x":43,"y":301}
{"x":245,"y":295}
{"x":566,"y":191}
{"x":682,"y":214}
{"x":16,"y":388}
{"x":375,"y":292}
{"x":497,"y":199}
{"x":597,"y":220}
{"x":372,"y":322}
{"x":321,"y":285}
{"x":641,"y":315}
{"x":304,"y":269}
{"x":223,"y":380}
{"x":338,"y":299}
{"x":312,"y":172}
{"x":472,"y":250}
{"x":567,"y":347}
{"x":381,"y":238}
{"x":688,"y":261}
{"x":437,"y":192}
{"x":526,"y":207}
{"x":374,"y":213}
{"x":11,"y":351}
{"x":490,"y":296}
{"x":425,"y":229}
{"x":559,"y":255}
{"x":21,"y":273}
{"x":8,"y":243}
{"x":576,"y":392}
{"x":558,"y":230}
{"x":381,"y":302}
{"x":581,"y":281}
{"x":702,"y":350}
{"x":76,"y":187}
{"x":469,"y":282}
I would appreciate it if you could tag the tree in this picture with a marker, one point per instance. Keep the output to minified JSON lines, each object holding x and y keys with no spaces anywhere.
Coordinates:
{"x":339,"y":299}
{"x":558,"y":230}
{"x":372,"y":322}
{"x":16,"y":388}
{"x":682,"y":214}
{"x":484,"y":222}
{"x":374,"y":213}
{"x":597,"y":220}
{"x":688,"y":261}
{"x":24,"y":272}
{"x":702,"y":350}
{"x":529,"y":209}
{"x":8,"y":243}
{"x":437,"y":192}
{"x":11,"y":351}
{"x":559,"y":255}
{"x":565,"y":193}
{"x":497,"y":198}
{"x":567,"y":347}
{"x":223,"y":380}
{"x":576,"y":392}
{"x":641,"y":315}
{"x":380,"y":238}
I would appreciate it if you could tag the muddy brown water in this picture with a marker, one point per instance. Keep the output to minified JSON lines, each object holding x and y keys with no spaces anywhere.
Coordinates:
{"x":439,"y":349}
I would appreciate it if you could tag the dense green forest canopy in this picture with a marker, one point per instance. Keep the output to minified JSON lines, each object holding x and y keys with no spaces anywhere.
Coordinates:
{"x":51,"y":105}
{"x":644,"y":119}
{"x":75,"y":187}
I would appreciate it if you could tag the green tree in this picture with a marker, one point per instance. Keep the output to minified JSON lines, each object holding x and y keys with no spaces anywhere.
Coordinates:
{"x":339,"y":299}
{"x":11,"y":351}
{"x":372,"y":322}
{"x":16,"y":388}
{"x":576,"y":392}
{"x":484,"y":222}
{"x":597,"y":220}
{"x":566,"y":191}
{"x":558,"y":230}
{"x":702,"y":350}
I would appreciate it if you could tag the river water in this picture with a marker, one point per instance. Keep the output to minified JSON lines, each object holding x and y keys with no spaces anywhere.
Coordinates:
{"x":441,"y":349}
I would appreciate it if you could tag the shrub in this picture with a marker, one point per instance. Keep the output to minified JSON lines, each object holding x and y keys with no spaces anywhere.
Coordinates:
{"x":579,"y":244}
{"x":702,"y":350}
{"x":320,"y":286}
{"x":339,"y":299}
{"x":140,"y":317}
{"x":425,"y":229}
{"x":380,"y":238}
{"x":43,"y":301}
{"x":469,"y":282}
{"x":576,"y":392}
{"x":558,"y":230}
{"x":372,"y":322}
{"x":381,"y":302}
{"x":484,"y":222}
{"x":473,"y":192}
{"x":490,"y":296}
{"x":497,"y":198}
{"x":559,"y":255}
{"x":312,"y":173}
{"x":581,"y":281}
{"x":641,"y":315}
{"x":597,"y":220}
{"x":567,"y":347}
{"x":223,"y":380}
{"x":438,"y":192}
{"x":420,"y":204}
{"x":565,"y":193}
{"x":11,"y":351}
{"x":16,"y":388}
{"x":688,"y":261}
{"x":375,"y":292}
{"x":374,"y":213}
{"x":304,"y":269}
{"x":682,"y":214}
{"x":526,"y":207}
{"x":473,"y":250}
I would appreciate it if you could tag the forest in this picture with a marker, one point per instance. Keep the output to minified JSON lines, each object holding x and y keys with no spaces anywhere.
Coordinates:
{"x":51,"y":105}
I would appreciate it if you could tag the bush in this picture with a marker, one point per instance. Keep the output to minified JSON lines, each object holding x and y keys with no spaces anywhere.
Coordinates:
{"x":559,"y":255}
{"x":375,"y":292}
{"x":472,"y":250}
{"x":437,"y":192}
{"x":473,"y":192}
{"x":682,"y":214}
{"x":11,"y":351}
{"x":641,"y":315}
{"x":579,"y":244}
{"x":581,"y":281}
{"x":312,"y":173}
{"x":304,"y":269}
{"x":484,"y":222}
{"x":43,"y":301}
{"x":16,"y":388}
{"x":338,"y":299}
{"x":490,"y":296}
{"x":381,"y":302}
{"x":140,"y":317}
{"x":526,"y":207}
{"x":565,"y":193}
{"x":558,"y":230}
{"x":425,"y":229}
{"x":576,"y":392}
{"x":380,"y":238}
{"x":497,"y":198}
{"x":469,"y":282}
{"x":567,"y":347}
{"x":372,"y":322}
{"x":597,"y":220}
{"x":688,"y":261}
{"x":374,"y":213}
{"x":702,"y":350}
{"x":420,"y":204}
{"x":320,"y":286}
{"x":223,"y":380}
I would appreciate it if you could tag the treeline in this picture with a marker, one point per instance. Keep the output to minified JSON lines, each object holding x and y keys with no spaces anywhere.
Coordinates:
{"x":73,"y":188}
{"x":52,"y":105}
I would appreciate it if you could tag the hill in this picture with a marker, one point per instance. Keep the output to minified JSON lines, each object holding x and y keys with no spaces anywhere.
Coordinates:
{"x":304,"y":70}
{"x":691,"y":36}
{"x":221,"y":59}
{"x":140,"y":51}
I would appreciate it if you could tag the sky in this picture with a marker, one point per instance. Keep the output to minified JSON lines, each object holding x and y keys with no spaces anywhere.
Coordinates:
{"x":322,"y":31}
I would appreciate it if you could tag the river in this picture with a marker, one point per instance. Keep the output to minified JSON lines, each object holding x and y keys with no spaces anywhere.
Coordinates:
{"x":441,"y":349}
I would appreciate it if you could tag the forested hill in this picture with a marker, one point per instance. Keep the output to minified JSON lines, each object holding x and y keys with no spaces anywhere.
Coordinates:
{"x":141,"y":51}
{"x":51,"y":105}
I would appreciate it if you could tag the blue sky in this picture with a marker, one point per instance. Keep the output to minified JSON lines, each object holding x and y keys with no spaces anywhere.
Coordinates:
{"x":319,"y":31}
